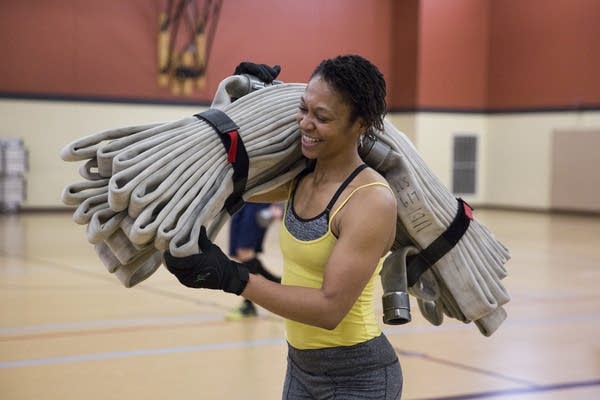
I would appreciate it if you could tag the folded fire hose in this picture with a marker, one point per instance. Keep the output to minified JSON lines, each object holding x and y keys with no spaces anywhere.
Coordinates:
{"x":149,"y":188}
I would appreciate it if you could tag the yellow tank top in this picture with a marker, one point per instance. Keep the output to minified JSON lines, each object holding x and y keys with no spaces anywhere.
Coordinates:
{"x":303,"y":265}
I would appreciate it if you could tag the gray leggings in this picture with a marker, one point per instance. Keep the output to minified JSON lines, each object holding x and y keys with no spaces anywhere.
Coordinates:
{"x":368,"y":370}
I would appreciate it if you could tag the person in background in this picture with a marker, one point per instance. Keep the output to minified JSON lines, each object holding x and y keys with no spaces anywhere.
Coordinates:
{"x":339,"y":223}
{"x":247,"y":231}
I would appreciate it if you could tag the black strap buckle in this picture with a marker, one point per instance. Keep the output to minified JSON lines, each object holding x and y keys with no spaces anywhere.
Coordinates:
{"x":236,"y":154}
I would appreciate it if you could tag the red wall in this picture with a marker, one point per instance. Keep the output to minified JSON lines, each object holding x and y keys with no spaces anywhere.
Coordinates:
{"x":453,"y":58}
{"x":544,"y":53}
{"x":108,"y":48}
{"x":78,"y":47}
{"x":459,"y":54}
{"x":404,"y":50}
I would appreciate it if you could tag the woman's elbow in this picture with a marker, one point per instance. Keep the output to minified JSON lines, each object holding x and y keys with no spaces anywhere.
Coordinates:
{"x":332,"y":311}
{"x":331,"y":320}
{"x":328,"y":325}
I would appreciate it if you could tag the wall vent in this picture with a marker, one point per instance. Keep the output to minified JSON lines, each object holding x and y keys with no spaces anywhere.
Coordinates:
{"x":464,"y":166}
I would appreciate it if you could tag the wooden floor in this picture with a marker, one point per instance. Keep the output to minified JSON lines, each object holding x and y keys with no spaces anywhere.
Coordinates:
{"x":69,"y":330}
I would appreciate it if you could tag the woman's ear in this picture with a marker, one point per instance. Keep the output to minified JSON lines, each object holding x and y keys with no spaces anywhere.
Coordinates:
{"x":361,"y":126}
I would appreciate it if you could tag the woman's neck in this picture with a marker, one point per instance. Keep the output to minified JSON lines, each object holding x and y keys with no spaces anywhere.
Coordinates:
{"x":335,"y":170}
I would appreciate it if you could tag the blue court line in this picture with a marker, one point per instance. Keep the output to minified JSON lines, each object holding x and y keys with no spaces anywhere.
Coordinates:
{"x":138,"y":353}
{"x":511,"y":392}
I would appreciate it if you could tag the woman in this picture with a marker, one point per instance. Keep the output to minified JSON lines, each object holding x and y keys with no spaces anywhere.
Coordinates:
{"x":339,"y":223}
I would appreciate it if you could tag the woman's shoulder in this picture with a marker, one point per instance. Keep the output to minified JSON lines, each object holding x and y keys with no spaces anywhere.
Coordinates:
{"x":371,"y":177}
{"x":372,"y":189}
{"x":370,"y":208}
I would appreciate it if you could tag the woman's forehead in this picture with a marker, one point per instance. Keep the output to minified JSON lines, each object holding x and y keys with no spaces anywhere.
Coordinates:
{"x":319,"y":93}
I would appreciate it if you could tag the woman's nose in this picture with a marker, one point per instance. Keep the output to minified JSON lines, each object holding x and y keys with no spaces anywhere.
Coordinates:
{"x":304,"y":121}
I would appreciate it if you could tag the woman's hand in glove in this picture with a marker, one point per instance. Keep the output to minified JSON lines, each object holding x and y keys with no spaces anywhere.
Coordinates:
{"x":210,"y":269}
{"x":263,"y":72}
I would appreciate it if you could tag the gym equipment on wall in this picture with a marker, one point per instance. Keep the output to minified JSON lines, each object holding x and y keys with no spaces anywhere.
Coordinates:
{"x":185,"y":37}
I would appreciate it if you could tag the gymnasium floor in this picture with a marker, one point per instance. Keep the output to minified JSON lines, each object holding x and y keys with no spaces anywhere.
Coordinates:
{"x":70,"y":330}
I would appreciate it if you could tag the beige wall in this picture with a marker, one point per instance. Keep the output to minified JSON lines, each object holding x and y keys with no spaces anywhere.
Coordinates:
{"x":519,"y":167}
{"x":47,"y":126}
{"x":406,"y":123}
{"x":514,"y":155}
{"x":515,"y":152}
{"x":434,"y":137}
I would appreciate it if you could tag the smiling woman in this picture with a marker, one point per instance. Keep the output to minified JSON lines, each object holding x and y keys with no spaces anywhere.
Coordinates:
{"x":335,"y":96}
{"x":339,"y":223}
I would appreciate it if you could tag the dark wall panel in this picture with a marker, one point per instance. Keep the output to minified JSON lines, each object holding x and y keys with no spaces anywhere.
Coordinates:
{"x":575,"y":182}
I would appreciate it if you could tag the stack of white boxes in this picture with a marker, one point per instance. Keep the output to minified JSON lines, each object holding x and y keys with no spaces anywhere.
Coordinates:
{"x":13,"y":165}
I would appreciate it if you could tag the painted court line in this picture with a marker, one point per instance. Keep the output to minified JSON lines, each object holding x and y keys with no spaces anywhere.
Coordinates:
{"x":139,"y":353}
{"x":457,"y":365}
{"x":79,"y":328}
{"x":109,"y":323}
{"x":508,"y":393}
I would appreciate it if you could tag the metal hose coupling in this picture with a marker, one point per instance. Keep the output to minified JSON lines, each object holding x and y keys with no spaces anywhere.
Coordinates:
{"x":373,"y":152}
{"x":396,"y":308}
{"x":395,"y":300}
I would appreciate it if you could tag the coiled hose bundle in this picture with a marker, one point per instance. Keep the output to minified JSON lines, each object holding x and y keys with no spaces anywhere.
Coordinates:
{"x":149,"y":188}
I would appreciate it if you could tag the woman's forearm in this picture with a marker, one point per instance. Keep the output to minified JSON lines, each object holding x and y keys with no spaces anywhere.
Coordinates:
{"x":306,"y":305}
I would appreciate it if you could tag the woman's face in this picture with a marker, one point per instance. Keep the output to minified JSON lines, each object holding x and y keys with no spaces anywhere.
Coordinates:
{"x":324,"y":120}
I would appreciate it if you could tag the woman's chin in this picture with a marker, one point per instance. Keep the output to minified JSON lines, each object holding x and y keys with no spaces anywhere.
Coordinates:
{"x":308,"y":153}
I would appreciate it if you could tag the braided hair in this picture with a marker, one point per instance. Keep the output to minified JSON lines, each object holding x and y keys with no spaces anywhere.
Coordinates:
{"x":361,"y":85}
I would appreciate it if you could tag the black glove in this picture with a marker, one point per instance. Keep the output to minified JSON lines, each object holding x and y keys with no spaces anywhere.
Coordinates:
{"x":211,"y":269}
{"x":261,"y":71}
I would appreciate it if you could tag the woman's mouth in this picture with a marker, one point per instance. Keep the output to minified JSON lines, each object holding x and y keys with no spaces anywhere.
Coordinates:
{"x":309,"y":141}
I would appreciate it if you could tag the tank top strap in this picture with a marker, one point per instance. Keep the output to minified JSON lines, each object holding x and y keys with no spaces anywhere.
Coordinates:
{"x":343,"y":186}
{"x":356,"y":190}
